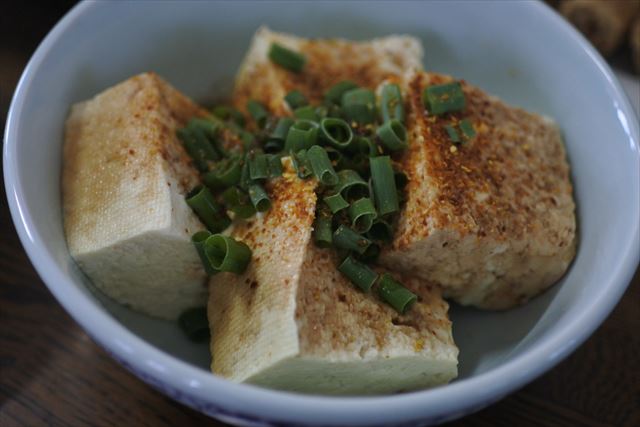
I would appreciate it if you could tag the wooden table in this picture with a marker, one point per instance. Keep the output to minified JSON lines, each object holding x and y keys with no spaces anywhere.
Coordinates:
{"x":52,"y":374}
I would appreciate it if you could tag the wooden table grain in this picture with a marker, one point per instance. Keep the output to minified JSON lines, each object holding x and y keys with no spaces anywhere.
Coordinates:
{"x":52,"y":374}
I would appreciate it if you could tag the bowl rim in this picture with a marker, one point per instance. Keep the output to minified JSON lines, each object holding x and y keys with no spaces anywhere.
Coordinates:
{"x":251,"y":402}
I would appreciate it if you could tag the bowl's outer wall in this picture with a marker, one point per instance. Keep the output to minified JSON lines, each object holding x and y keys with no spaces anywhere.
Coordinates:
{"x":519,"y":51}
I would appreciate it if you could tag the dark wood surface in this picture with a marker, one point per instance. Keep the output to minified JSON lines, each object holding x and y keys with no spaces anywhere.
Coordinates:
{"x":52,"y":374}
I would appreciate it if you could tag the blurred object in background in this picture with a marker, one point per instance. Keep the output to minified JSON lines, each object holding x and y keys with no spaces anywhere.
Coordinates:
{"x":634,"y":42}
{"x":605,"y":23}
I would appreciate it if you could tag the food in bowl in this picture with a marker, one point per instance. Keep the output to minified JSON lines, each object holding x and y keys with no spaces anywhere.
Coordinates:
{"x":355,"y":168}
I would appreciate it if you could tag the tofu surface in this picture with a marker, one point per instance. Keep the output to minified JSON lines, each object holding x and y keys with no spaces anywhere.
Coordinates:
{"x":329,"y":61}
{"x":125,"y":176}
{"x":491,"y":221}
{"x":293,"y":322}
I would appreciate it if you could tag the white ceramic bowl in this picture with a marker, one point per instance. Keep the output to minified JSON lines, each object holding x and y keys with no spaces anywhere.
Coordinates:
{"x":520,"y":51}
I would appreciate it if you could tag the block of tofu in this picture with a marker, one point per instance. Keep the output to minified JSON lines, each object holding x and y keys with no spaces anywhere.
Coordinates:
{"x":329,"y":61}
{"x":293,"y":322}
{"x":125,"y":175}
{"x":491,"y":221}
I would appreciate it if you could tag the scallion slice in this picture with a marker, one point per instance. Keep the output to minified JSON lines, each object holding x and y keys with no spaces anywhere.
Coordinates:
{"x":227,"y":254}
{"x":362,"y":213}
{"x":301,"y":136}
{"x":384,"y":186}
{"x":223,"y":174}
{"x":396,"y":295}
{"x":258,"y":166}
{"x":210,"y":212}
{"x":393,"y":135}
{"x":321,"y":165}
{"x":287,"y":58}
{"x":358,"y":273}
{"x":335,"y":202}
{"x":467,"y":129}
{"x":238,"y":202}
{"x":444,"y":98}
{"x":380,"y":230}
{"x":259,"y":198}
{"x":301,"y":164}
{"x":228,"y":113}
{"x":194,"y":324}
{"x":336,"y":132}
{"x":453,"y":134}
{"x":345,"y":238}
{"x":281,"y":129}
{"x":258,"y":112}
{"x":322,"y":231}
{"x":275,"y":165}
{"x":198,"y":240}
{"x":306,"y":113}
{"x":391,"y":106}
{"x":359,"y":105}
{"x":296,"y":99}
{"x":334,"y":94}
{"x":351,"y":185}
{"x":199,"y":148}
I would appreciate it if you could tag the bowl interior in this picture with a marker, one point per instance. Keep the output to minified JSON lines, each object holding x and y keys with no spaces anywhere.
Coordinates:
{"x":198,"y":46}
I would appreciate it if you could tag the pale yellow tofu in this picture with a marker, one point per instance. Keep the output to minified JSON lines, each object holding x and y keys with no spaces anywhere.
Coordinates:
{"x":329,"y":61}
{"x":125,"y":176}
{"x":293,"y":322}
{"x":491,"y":221}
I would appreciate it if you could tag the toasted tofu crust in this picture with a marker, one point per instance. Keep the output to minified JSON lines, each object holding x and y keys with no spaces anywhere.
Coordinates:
{"x":329,"y":61}
{"x":491,"y":221}
{"x":292,"y":321}
{"x":125,"y":175}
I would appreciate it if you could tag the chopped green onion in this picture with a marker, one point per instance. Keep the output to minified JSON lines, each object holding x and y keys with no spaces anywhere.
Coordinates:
{"x":229,"y":113}
{"x":396,"y":295}
{"x":275,"y":165}
{"x":346,"y":238}
{"x":194,"y":324}
{"x":359,"y":105}
{"x":238,"y":202}
{"x":306,"y":113}
{"x":227,"y":254}
{"x":384,"y":186}
{"x":334,"y":94}
{"x":336,"y":202}
{"x":334,"y":155}
{"x":321,"y":165}
{"x":301,"y":164}
{"x":258,"y":166}
{"x":358,"y":273}
{"x":295,"y":99}
{"x":380,"y":230}
{"x":259,"y":198}
{"x":467,"y":129}
{"x":210,"y":212}
{"x":281,"y":129}
{"x":334,"y":111}
{"x":302,"y":135}
{"x":258,"y":112}
{"x":366,"y":146}
{"x":322,"y":231}
{"x":393,"y":135}
{"x":198,"y":147}
{"x":198,"y":240}
{"x":391,"y":106}
{"x":351,"y":185}
{"x":336,"y":132}
{"x":287,"y":58}
{"x":362,"y":213}
{"x":444,"y":98}
{"x":209,"y":128}
{"x":223,"y":174}
{"x":245,"y":175}
{"x":453,"y":134}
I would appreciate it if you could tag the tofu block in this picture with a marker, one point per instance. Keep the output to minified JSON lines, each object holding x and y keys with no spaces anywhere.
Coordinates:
{"x":329,"y":61}
{"x":491,"y":221}
{"x":124,"y":180}
{"x":293,"y":322}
